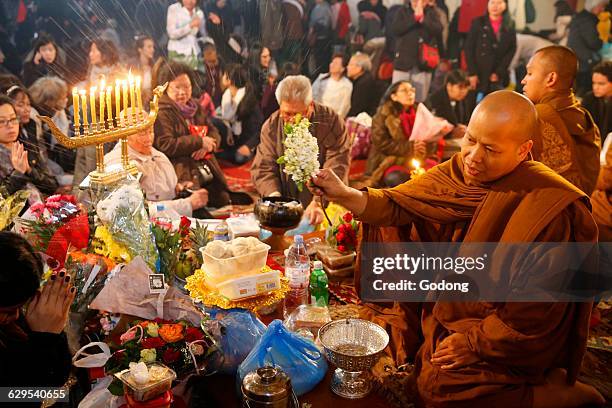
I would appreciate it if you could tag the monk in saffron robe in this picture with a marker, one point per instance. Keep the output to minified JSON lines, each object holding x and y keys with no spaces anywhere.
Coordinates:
{"x":484,"y":354}
{"x":569,"y":141}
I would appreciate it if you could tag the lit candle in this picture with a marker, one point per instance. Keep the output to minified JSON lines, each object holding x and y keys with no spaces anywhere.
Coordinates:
{"x":102,"y":103}
{"x":84,"y":103}
{"x":109,"y":106}
{"x":132,"y":98}
{"x":117,"y":100}
{"x":138,"y":96}
{"x":418,"y":170}
{"x":124,"y":91}
{"x":75,"y":107}
{"x":92,"y":105}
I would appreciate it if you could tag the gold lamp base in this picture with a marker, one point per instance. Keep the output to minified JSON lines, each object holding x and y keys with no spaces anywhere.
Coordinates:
{"x":111,"y":177}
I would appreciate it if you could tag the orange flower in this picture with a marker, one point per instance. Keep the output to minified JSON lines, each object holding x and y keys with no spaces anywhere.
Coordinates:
{"x":171,"y":332}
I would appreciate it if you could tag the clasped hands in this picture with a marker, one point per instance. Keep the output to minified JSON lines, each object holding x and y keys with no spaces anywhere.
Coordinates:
{"x":453,"y":352}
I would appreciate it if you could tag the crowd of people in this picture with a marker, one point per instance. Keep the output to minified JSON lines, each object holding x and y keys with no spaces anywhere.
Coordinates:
{"x":237,"y":71}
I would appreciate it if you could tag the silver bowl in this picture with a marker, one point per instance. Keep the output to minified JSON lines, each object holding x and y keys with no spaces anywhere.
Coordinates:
{"x":354,"y":346}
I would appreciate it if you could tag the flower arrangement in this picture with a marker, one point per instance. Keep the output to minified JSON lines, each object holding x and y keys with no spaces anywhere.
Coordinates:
{"x":88,"y":273}
{"x":343,"y":235}
{"x":180,"y":345}
{"x":169,"y":243}
{"x":55,"y":225}
{"x":301,"y":158}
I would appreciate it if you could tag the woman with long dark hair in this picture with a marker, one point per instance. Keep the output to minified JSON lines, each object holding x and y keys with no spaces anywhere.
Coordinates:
{"x":490,"y":47}
{"x":33,"y":348}
{"x":103,"y":62}
{"x":45,"y":59}
{"x":392,"y":125}
{"x":242,"y":114}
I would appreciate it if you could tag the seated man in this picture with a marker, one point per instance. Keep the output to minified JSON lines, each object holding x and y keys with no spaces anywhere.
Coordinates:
{"x":158,"y":180}
{"x":367,"y":91}
{"x":294,"y":95}
{"x":569,"y":141}
{"x":485,"y":354}
{"x":453,"y":102}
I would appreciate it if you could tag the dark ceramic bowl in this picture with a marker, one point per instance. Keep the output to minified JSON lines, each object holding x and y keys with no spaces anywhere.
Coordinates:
{"x":276,"y":212}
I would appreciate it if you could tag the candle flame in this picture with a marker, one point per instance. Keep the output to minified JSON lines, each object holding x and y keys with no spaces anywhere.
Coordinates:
{"x":109,"y":89}
{"x":82,"y":92}
{"x":416,"y":164}
{"x":75,"y":91}
{"x":93,"y":89}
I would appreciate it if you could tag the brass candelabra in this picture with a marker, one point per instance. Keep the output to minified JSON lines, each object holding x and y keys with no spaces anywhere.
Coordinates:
{"x":107,"y":127}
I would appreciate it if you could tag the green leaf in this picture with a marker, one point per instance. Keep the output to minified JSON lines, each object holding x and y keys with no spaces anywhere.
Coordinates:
{"x":280,"y":160}
{"x":116,"y":388}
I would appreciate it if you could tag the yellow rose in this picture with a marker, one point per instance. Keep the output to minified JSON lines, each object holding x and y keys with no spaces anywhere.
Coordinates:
{"x":148,"y":355}
{"x":152,"y":329}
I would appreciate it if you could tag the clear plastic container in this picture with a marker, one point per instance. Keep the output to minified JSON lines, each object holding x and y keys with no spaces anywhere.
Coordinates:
{"x":248,"y":286}
{"x":335,"y":259}
{"x":225,"y":268}
{"x":150,"y":390}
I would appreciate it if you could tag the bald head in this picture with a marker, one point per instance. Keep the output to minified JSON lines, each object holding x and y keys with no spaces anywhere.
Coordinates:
{"x":499,"y":137}
{"x":511,"y":114}
{"x":559,"y":59}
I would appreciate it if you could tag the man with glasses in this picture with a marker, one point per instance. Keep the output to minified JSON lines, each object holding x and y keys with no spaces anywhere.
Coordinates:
{"x":294,"y":96}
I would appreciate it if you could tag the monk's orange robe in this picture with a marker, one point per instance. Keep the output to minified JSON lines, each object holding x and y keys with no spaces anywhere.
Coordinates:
{"x":569,"y":141}
{"x":516,"y":342}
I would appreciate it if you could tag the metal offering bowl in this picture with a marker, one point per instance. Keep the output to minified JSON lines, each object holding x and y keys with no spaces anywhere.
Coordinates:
{"x":354,"y":346}
{"x":279,"y":212}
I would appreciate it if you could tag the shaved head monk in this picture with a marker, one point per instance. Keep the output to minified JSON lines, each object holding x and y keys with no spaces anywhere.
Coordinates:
{"x":569,"y":141}
{"x":484,"y":354}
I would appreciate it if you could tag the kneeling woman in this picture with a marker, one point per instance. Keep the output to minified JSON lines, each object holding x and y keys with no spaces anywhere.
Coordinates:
{"x":242,"y":115}
{"x":391,"y":152}
{"x":185,"y":134}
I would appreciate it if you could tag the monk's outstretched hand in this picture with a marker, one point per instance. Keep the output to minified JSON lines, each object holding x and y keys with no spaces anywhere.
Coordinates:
{"x":453,"y":352}
{"x":325,"y":183}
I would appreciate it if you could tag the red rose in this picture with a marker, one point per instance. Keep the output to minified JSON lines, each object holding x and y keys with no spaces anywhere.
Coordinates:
{"x":153,"y":342}
{"x":185,"y":223}
{"x":53,"y":198}
{"x":341,"y":248}
{"x":170,"y":355}
{"x":193,"y":334}
{"x":348,"y":217}
{"x":340,"y":236}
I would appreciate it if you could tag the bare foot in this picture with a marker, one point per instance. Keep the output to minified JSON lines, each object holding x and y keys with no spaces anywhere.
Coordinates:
{"x":556,"y":393}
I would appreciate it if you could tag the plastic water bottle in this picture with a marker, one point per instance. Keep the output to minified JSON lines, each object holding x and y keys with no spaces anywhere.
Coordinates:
{"x":297,"y":270}
{"x":319,"y":292}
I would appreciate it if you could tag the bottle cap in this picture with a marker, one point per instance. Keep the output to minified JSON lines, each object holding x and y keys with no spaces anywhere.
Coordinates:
{"x":298,"y":239}
{"x":317,"y":265}
{"x":160,"y":207}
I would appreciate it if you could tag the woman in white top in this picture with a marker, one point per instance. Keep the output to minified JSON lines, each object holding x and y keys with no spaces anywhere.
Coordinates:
{"x":334,"y":89}
{"x":184,"y":22}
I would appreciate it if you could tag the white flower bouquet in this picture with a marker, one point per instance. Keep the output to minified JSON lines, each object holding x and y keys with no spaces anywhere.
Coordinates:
{"x":301,"y":158}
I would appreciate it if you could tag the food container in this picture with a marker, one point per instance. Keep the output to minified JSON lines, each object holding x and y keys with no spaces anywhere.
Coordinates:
{"x":343,"y":272}
{"x":222,"y":268}
{"x":248,"y":286}
{"x":335,"y":259}
{"x":150,"y":390}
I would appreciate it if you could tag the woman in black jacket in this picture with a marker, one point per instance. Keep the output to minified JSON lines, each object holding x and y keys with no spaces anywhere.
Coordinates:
{"x":45,"y":59}
{"x":489,"y":48}
{"x":242,"y":115}
{"x":413,"y":25}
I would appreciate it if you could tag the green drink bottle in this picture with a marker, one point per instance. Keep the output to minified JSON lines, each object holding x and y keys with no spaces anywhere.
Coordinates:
{"x":319,"y":293}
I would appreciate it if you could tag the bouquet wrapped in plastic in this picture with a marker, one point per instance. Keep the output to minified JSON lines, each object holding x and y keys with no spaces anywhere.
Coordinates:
{"x":123,"y":214}
{"x":55,"y":226}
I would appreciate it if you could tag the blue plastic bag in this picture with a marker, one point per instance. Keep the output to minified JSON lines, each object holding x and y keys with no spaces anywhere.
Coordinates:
{"x":239,"y":332}
{"x":295,"y":355}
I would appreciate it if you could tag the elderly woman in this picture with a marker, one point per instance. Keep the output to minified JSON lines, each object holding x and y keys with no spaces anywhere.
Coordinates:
{"x":158,"y":180}
{"x":49,"y":96}
{"x":294,"y":96}
{"x":20,"y":169}
{"x":392,"y":125}
{"x":185,"y":134}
